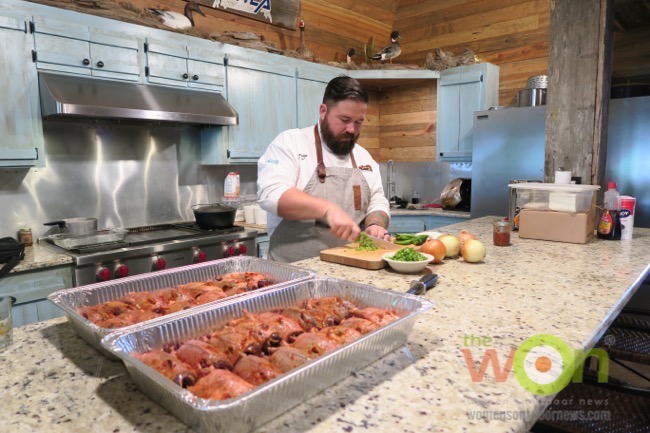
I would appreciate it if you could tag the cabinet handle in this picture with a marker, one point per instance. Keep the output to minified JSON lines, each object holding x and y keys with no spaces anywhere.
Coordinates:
{"x":442,"y":154}
{"x":100,"y":64}
{"x":185,"y":76}
{"x":195,"y":77}
{"x":86,"y":62}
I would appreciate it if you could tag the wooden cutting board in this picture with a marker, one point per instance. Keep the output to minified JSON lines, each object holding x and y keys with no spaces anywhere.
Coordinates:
{"x":346,"y":255}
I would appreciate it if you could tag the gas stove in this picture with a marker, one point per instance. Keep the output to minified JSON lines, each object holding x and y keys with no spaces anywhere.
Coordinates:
{"x":153,"y":248}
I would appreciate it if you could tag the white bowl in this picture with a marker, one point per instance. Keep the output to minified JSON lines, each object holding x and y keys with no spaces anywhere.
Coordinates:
{"x":407,"y":267}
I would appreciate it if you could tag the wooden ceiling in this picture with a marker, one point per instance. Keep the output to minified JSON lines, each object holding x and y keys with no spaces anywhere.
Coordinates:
{"x":631,"y":14}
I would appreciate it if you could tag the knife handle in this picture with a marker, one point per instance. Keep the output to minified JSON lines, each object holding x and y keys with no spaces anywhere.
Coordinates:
{"x":424,"y":284}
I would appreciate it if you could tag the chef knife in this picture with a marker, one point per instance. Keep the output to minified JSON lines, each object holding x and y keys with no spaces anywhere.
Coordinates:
{"x":425,"y":283}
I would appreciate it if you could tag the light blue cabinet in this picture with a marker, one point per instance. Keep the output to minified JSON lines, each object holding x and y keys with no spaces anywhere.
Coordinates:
{"x":21,"y":140}
{"x":419,"y":223}
{"x":262,"y":88}
{"x":461,"y":92}
{"x":177,"y":64}
{"x":311,"y":81}
{"x":78,"y":49}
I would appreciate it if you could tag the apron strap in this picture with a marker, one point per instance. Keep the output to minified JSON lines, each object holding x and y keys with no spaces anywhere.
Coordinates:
{"x":322,"y":173}
{"x":319,"y":155}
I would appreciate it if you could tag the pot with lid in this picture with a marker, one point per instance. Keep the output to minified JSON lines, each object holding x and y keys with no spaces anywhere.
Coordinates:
{"x":75,"y":226}
{"x":214,"y":216}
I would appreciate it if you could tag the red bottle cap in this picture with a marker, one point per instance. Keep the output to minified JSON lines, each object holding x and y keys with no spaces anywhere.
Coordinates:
{"x":611,"y":185}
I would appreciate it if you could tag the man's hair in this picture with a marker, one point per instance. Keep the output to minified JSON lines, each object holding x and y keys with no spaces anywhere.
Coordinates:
{"x":343,"y":88}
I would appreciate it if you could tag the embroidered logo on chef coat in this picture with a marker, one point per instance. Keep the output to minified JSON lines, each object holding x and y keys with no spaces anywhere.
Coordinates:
{"x":302,"y":157}
{"x":366,"y":167}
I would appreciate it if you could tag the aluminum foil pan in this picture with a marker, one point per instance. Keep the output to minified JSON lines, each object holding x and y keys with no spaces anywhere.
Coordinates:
{"x":92,"y":294}
{"x":265,"y":402}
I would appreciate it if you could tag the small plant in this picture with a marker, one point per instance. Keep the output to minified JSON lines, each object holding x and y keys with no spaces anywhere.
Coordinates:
{"x":369,"y":49}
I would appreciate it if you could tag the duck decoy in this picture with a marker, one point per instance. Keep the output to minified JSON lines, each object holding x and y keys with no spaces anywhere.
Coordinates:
{"x":303,"y":50}
{"x":391,"y":51}
{"x":177,"y":20}
{"x":351,"y":52}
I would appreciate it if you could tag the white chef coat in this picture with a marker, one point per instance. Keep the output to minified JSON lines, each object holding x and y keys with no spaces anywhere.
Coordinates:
{"x":290,"y":161}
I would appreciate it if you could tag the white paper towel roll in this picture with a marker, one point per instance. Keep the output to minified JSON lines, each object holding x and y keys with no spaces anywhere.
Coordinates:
{"x":562,"y":177}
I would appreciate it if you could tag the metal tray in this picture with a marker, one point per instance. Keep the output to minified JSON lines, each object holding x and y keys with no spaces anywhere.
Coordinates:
{"x":92,"y":294}
{"x":265,"y":402}
{"x":75,"y":241}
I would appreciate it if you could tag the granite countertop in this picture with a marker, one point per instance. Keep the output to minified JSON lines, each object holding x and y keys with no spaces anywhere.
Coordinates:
{"x":58,"y":383}
{"x":39,"y":257}
{"x":430,"y":212}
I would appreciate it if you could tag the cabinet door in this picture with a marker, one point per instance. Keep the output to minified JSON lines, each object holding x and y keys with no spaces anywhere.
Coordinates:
{"x":406,"y":224}
{"x":61,"y":46}
{"x":266,"y":103}
{"x":21,"y":144}
{"x":205,"y":69}
{"x":114,"y":56}
{"x":166,"y":64}
{"x":461,"y":92}
{"x":310,"y":96}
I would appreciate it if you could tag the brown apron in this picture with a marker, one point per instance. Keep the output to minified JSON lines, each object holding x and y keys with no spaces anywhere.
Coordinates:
{"x":345,"y":186}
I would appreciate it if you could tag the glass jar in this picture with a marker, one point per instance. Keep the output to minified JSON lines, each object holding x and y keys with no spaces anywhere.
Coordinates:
{"x":25,"y":236}
{"x":501,"y":233}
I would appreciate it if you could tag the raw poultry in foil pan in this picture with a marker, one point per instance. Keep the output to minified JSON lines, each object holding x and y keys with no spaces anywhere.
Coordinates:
{"x":257,"y":347}
{"x":136,"y":307}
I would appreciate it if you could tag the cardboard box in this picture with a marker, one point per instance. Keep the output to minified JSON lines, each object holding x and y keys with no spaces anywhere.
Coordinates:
{"x":577,"y":228}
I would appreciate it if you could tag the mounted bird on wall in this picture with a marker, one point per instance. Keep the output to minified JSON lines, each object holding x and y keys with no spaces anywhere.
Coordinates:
{"x":304,"y":51}
{"x":348,"y":58}
{"x":177,"y":20}
{"x":391,"y":51}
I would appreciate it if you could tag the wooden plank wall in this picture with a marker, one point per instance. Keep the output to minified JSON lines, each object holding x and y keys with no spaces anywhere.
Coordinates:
{"x":631,"y":56}
{"x":512,"y":34}
{"x":331,"y":26}
{"x":407,"y":122}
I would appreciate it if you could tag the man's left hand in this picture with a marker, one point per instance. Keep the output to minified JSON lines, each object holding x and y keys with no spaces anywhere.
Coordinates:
{"x":378,"y":232}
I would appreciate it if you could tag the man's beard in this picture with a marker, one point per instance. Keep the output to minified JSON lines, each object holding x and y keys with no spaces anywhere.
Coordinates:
{"x":341,"y":144}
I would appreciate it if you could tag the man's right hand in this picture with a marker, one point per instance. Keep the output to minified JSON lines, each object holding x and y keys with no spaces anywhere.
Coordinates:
{"x":341,"y":225}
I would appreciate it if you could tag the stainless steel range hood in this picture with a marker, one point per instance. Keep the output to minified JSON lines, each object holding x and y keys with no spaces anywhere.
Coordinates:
{"x":75,"y":96}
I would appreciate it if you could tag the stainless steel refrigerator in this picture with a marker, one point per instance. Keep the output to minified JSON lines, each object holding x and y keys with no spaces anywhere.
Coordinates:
{"x":509,"y":144}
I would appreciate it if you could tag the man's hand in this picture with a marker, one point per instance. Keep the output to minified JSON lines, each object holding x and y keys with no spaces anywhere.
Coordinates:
{"x":378,"y":232}
{"x":341,"y":225}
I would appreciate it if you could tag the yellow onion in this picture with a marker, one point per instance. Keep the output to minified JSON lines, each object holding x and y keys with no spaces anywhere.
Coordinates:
{"x":464,"y":236}
{"x":473,"y":251}
{"x":452,"y":244}
{"x":436,"y":248}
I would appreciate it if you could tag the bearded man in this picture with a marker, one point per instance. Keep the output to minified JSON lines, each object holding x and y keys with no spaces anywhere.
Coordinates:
{"x":319,"y":186}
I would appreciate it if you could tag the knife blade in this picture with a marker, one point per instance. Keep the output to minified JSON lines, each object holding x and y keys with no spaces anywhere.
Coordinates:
{"x":424,"y":284}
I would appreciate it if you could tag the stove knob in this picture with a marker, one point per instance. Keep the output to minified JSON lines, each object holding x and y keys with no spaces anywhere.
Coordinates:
{"x":103,"y":273}
{"x":241,"y":249}
{"x":230,"y":251}
{"x":159,"y":264}
{"x":199,"y":256}
{"x":121,"y":271}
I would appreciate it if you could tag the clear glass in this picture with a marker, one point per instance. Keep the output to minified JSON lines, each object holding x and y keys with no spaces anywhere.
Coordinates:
{"x":6,"y":326}
{"x":501,"y":233}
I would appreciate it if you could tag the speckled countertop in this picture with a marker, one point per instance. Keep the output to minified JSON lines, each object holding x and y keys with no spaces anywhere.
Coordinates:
{"x":39,"y":257}
{"x":58,"y":383}
{"x":430,"y":212}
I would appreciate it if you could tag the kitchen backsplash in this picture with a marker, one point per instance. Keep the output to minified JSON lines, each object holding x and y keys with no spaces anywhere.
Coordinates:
{"x":130,"y":175}
{"x":427,"y":178}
